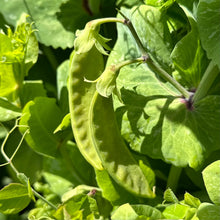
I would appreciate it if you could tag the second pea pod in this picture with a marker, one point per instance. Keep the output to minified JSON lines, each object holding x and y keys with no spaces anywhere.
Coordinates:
{"x":102,"y":144}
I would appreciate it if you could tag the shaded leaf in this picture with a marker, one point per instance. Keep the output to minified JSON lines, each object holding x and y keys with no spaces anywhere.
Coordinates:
{"x":31,"y":90}
{"x":42,"y":117}
{"x":14,"y":198}
{"x":189,"y":57}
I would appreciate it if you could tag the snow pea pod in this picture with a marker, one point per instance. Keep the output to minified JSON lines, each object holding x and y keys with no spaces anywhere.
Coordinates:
{"x":84,"y":65}
{"x":114,"y":154}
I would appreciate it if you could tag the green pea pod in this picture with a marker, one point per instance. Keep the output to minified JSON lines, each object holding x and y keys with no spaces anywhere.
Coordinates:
{"x":114,"y":154}
{"x":80,"y":95}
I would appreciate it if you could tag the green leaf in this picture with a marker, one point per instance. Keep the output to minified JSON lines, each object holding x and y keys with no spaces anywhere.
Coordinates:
{"x":191,"y":200}
{"x":189,"y":57}
{"x":175,"y":211}
{"x":153,"y":32}
{"x":208,"y":15}
{"x":74,"y":15}
{"x":70,"y":165}
{"x":198,"y":128}
{"x":57,"y":184}
{"x":31,"y":90}
{"x":154,"y":122}
{"x":208,"y":211}
{"x":14,"y":198}
{"x":148,"y":211}
{"x":211,"y":176}
{"x":42,"y":116}
{"x":18,"y":52}
{"x":169,"y":196}
{"x":44,"y":15}
{"x":66,"y":123}
{"x":125,"y":212}
{"x":8,"y":110}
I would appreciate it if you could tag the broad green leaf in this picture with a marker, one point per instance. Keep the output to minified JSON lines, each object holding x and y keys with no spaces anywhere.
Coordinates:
{"x":208,"y":16}
{"x":57,"y":184}
{"x":74,"y":15}
{"x":42,"y":116}
{"x":188,"y":56}
{"x":175,"y":211}
{"x":44,"y":15}
{"x":208,"y":211}
{"x":125,"y":212}
{"x":14,"y":198}
{"x":152,"y":30}
{"x":190,"y":136}
{"x":8,"y":111}
{"x":70,"y":165}
{"x":30,"y":90}
{"x":211,"y":176}
{"x":156,"y":123}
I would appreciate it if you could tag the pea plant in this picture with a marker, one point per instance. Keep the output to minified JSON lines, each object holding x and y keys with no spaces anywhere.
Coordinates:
{"x":110,"y":109}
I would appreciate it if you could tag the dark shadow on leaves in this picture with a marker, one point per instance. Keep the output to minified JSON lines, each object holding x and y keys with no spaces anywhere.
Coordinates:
{"x":152,"y":142}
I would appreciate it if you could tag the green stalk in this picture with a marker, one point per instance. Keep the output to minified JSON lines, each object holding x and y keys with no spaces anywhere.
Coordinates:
{"x":127,"y":62}
{"x":173,"y":177}
{"x":153,"y":66}
{"x":208,"y":78}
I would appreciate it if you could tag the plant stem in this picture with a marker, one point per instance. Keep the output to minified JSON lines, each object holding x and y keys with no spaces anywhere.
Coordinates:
{"x":208,"y":78}
{"x":24,"y":179}
{"x":127,"y":62}
{"x":173,"y":177}
{"x":39,"y":196}
{"x":153,"y":66}
{"x":107,"y":20}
